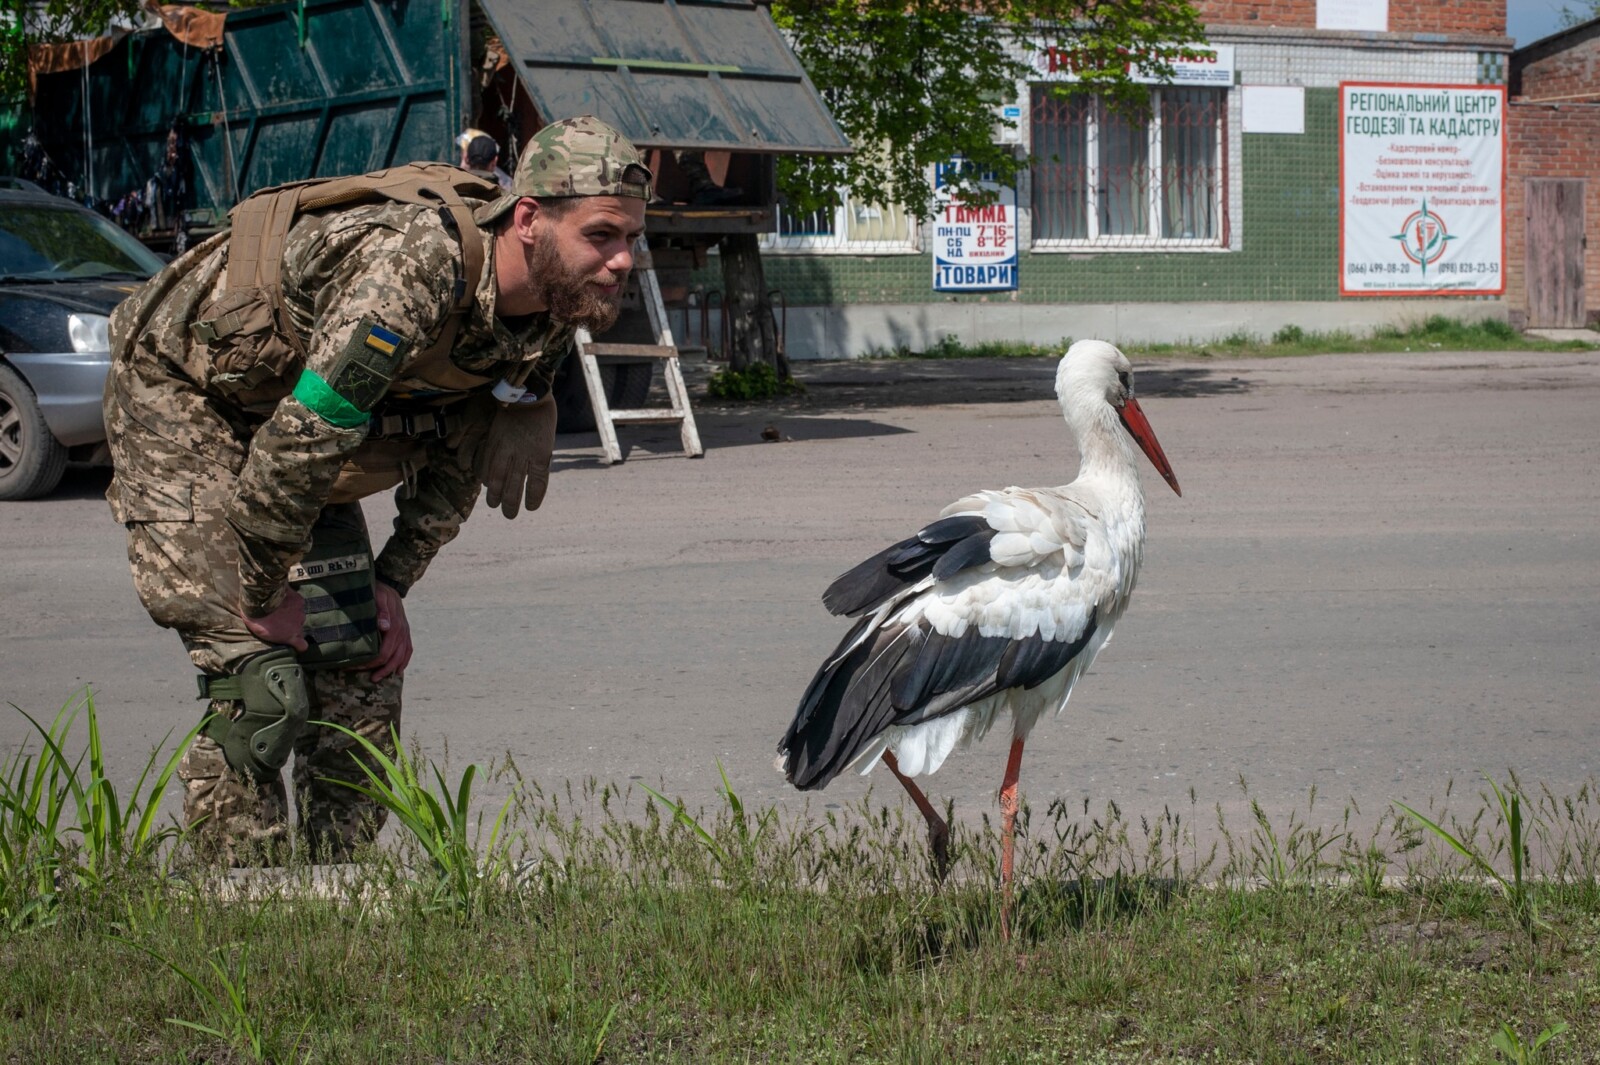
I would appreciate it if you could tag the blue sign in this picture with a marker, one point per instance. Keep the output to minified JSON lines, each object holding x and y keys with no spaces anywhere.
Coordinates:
{"x":974,"y":247}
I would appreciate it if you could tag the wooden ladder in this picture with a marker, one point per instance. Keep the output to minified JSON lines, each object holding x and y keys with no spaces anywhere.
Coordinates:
{"x":590,"y":352}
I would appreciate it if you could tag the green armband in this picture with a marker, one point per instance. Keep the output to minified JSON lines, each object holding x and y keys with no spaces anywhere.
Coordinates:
{"x":360,"y":378}
{"x":317,"y":396}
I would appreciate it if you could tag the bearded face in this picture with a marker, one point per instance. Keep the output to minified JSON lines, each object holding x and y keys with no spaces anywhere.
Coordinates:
{"x":573,"y":294}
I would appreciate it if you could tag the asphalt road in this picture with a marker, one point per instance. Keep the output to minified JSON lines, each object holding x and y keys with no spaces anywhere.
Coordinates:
{"x":1384,"y":575}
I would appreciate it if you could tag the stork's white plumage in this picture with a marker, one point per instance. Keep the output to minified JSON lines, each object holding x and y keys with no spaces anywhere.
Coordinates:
{"x":992,"y":612}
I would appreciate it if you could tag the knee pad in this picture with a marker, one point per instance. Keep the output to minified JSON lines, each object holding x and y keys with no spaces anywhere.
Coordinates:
{"x":271,"y":688}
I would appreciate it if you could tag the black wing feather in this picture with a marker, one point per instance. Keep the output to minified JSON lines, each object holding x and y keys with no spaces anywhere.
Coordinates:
{"x":827,"y":687}
{"x":1030,"y":662}
{"x":971,"y":552}
{"x":948,"y":664}
{"x":949,"y":530}
{"x":864,"y":587}
{"x":904,"y":675}
{"x":847,"y":704}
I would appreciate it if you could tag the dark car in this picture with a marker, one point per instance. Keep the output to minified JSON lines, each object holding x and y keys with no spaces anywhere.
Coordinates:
{"x":63,"y":269}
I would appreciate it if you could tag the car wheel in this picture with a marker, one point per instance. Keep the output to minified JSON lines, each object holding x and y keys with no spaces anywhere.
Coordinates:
{"x":31,"y":460}
{"x":630,"y":387}
{"x":627,"y":384}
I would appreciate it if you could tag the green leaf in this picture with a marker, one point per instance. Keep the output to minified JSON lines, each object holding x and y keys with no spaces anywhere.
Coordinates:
{"x":197,"y":1026}
{"x":1472,"y":855}
{"x":682,"y":816}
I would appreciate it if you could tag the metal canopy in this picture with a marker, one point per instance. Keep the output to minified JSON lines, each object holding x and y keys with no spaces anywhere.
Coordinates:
{"x":701,"y":74}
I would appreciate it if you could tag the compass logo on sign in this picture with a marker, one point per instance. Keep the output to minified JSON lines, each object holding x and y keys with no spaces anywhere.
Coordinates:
{"x":1423,"y":237}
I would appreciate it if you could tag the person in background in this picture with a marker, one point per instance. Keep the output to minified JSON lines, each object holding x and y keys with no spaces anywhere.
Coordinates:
{"x":481,"y":155}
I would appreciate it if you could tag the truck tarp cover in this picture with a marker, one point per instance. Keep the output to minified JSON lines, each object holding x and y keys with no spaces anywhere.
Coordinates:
{"x":712,"y":74}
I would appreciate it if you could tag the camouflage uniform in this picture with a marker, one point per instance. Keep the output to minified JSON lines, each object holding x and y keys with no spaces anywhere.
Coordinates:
{"x":219,"y":494}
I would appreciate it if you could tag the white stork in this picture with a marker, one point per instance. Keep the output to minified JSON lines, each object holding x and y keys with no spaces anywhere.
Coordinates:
{"x":997,"y":607}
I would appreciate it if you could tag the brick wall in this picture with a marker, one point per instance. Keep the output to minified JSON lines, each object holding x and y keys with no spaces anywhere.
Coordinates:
{"x":1299,"y":14}
{"x":1551,"y":141}
{"x":1468,"y":17}
{"x":1567,"y":73}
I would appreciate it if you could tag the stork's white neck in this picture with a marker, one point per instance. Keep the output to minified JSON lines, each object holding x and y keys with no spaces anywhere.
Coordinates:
{"x":1108,"y":483}
{"x":1091,"y":378}
{"x":1108,"y":460}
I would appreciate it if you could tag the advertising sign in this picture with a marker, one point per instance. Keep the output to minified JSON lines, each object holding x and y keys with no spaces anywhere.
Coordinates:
{"x":974,"y":248}
{"x":1208,"y":64}
{"x":1421,"y":189}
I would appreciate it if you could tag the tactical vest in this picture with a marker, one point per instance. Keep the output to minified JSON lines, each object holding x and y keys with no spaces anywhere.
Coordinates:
{"x":258,"y":355}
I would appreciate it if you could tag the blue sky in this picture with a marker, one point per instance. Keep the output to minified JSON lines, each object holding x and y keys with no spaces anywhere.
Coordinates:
{"x":1528,"y":20}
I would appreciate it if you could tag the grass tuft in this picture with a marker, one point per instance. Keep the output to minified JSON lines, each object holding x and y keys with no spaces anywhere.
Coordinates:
{"x":439,"y":822}
{"x":1514,"y":845}
{"x":757,"y":381}
{"x":63,"y":822}
{"x":1435,"y":333}
{"x":593,"y":923}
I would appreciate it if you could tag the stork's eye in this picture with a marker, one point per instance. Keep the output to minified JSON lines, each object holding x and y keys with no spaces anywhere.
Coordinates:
{"x":1126,"y":379}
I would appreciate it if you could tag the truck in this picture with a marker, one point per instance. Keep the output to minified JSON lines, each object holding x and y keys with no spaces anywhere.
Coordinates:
{"x":164,"y":129}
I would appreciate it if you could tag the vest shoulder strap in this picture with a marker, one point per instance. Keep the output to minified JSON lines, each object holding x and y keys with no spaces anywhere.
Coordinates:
{"x":260,"y":229}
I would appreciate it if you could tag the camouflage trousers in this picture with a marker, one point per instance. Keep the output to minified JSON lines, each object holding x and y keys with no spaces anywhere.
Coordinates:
{"x":185,"y":573}
{"x":247,"y":820}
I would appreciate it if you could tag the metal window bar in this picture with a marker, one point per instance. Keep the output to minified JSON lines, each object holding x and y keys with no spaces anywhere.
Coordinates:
{"x":1191,"y":151}
{"x":873,"y":224}
{"x":1102,"y":180}
{"x":818,"y":223}
{"x":1123,"y":175}
{"x":1060,"y":131}
{"x":849,"y":227}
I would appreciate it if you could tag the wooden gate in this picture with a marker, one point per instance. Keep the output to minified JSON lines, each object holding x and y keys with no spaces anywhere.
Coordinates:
{"x":1555,"y":253}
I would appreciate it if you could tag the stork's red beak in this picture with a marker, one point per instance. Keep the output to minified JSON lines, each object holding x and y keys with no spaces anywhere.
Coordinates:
{"x":1138,"y":427}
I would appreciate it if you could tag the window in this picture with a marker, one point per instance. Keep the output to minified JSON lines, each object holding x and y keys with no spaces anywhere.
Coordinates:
{"x":59,"y":241}
{"x":1102,"y":180}
{"x":849,"y":228}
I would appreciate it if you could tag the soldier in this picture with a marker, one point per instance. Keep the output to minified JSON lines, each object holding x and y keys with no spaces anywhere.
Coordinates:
{"x":342,"y":351}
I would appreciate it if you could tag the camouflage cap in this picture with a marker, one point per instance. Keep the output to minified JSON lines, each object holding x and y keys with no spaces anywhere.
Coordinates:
{"x":575,"y":157}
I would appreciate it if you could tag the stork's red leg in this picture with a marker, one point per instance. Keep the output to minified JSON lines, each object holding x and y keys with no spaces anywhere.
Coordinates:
{"x":938,"y":831}
{"x":1008,"y":826}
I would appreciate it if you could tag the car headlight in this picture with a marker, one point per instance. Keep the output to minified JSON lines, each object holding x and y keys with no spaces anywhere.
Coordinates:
{"x":89,"y":332}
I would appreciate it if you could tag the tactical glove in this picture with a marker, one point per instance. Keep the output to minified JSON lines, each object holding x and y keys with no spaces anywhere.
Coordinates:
{"x":514,"y":459}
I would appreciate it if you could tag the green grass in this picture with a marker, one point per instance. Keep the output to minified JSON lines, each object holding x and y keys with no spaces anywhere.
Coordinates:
{"x":63,"y":822}
{"x":621,"y":926}
{"x":1437,"y":333}
{"x":459,"y":860}
{"x":756,"y":382}
{"x":951,"y":346}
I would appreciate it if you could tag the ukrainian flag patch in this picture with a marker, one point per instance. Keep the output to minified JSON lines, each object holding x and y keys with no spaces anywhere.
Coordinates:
{"x":371,"y":358}
{"x":380,"y":339}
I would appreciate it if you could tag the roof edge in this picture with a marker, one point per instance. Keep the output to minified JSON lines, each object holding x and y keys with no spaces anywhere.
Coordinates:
{"x":1559,"y":41}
